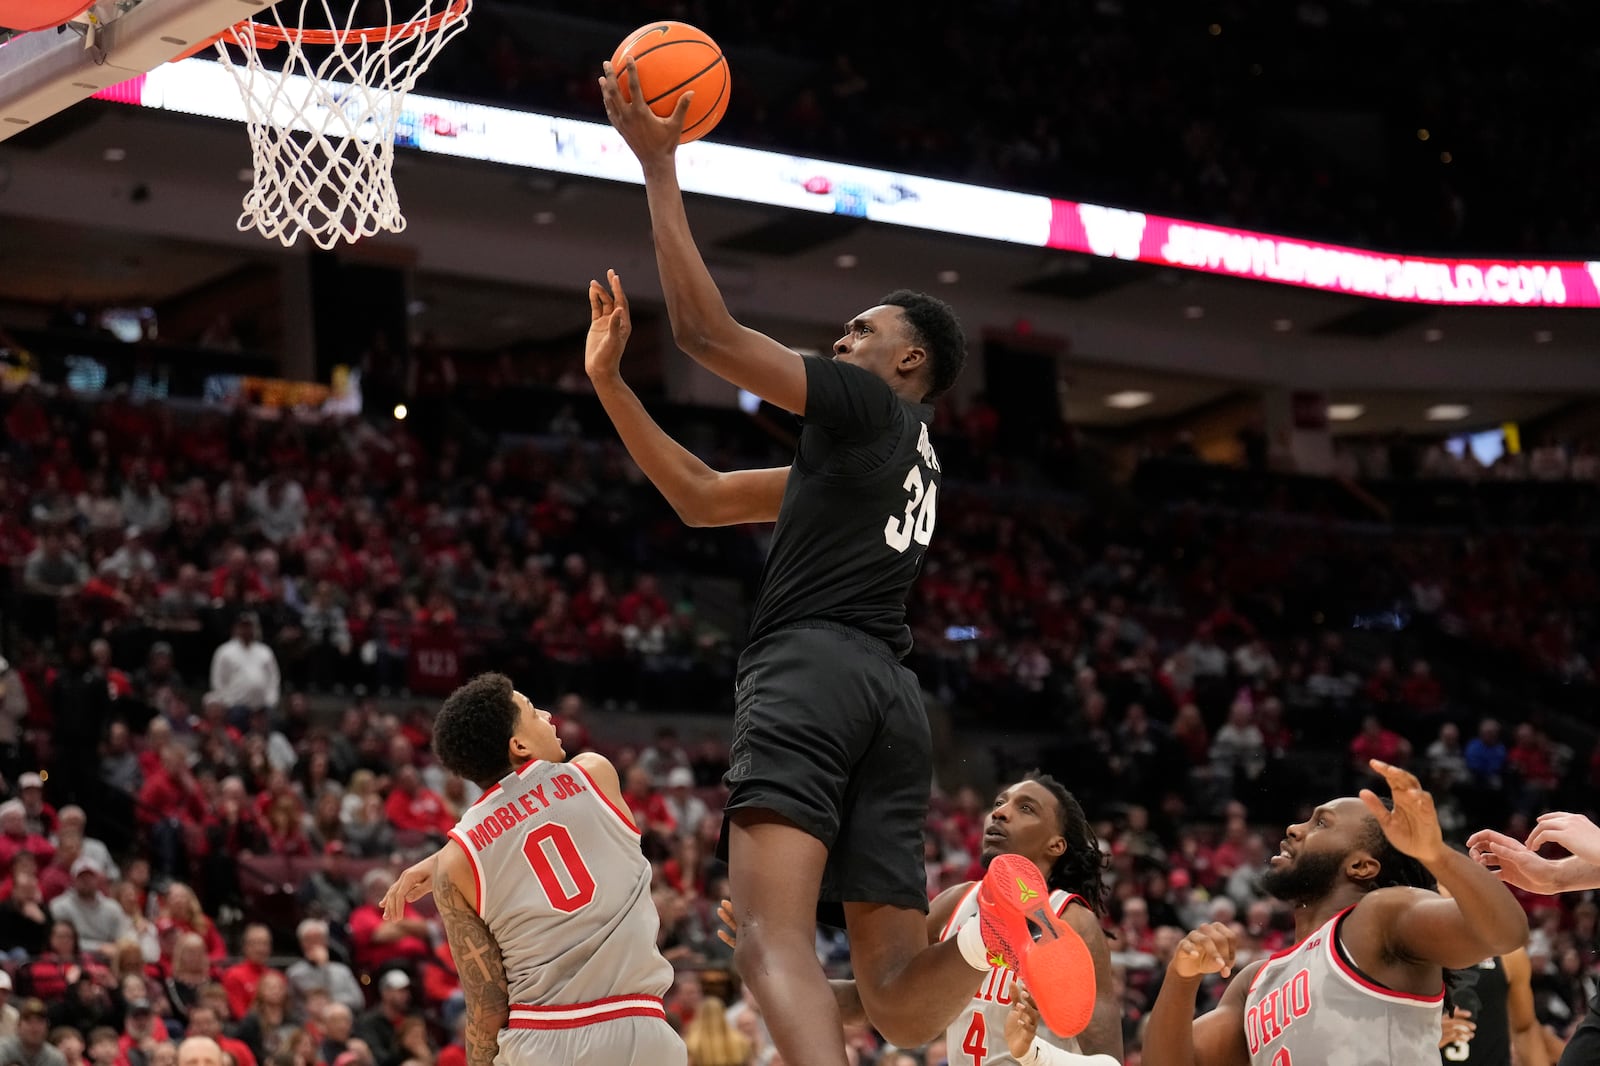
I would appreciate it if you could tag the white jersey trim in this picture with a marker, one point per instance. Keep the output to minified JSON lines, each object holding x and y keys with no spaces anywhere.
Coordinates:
{"x":577,"y":1015}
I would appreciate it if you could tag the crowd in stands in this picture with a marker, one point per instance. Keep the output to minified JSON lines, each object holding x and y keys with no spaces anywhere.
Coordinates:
{"x":1249,"y":114}
{"x":246,"y":619}
{"x":1552,"y":460}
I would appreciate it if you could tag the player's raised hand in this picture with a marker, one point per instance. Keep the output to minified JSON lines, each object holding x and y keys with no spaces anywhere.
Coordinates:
{"x":1515,"y":864}
{"x":1413,"y":825}
{"x":1209,"y":949}
{"x":653,"y":139}
{"x":609,"y":326}
{"x":1574,"y":832}
{"x":415,"y":883}
{"x":730,"y":935}
{"x":1022,"y":1021}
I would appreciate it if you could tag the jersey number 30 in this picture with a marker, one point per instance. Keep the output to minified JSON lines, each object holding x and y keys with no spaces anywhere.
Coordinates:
{"x":922,"y":510}
{"x":566,"y":881}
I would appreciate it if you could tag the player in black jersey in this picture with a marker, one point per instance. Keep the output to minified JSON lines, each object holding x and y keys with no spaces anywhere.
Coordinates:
{"x":1496,"y":996}
{"x":831,"y":761}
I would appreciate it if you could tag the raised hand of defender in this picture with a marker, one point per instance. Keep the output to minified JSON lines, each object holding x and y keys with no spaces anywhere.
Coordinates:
{"x":1022,"y":1021}
{"x":1511,"y":861}
{"x":730,"y":935}
{"x":1574,"y":832}
{"x":652,"y":138}
{"x":415,"y":883}
{"x":609,"y":326}
{"x":1413,"y":825}
{"x":1209,"y":949}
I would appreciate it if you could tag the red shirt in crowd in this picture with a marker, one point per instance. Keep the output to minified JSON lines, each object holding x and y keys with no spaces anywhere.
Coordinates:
{"x":241,"y":980}
{"x":650,"y":811}
{"x":41,"y":848}
{"x":49,"y":975}
{"x":161,"y":796}
{"x":370,"y":955}
{"x":420,"y":812}
{"x":242,"y":1055}
{"x":434,"y":666}
{"x":1387,"y":745}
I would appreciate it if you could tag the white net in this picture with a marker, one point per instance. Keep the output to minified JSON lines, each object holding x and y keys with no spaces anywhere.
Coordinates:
{"x":323,"y":127}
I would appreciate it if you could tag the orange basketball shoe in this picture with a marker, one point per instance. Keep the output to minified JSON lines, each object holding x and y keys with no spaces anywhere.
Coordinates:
{"x":1020,"y":927}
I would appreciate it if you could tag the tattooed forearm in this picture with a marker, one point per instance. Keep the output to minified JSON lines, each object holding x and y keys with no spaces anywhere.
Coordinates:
{"x":478,"y":964}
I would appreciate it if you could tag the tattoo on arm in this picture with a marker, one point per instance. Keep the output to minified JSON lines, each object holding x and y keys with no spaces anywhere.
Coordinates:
{"x":479,"y":966}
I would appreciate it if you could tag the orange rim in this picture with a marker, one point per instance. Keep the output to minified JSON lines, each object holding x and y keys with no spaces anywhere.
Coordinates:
{"x":250,"y":33}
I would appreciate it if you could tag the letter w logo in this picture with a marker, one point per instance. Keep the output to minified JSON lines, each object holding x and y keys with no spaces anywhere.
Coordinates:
{"x":1112,"y":232}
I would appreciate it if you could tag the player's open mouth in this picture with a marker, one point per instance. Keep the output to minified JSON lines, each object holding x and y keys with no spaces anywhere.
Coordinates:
{"x":994,"y":832}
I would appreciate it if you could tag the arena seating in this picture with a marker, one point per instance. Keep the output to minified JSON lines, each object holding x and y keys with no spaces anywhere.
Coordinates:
{"x":1210,"y":665}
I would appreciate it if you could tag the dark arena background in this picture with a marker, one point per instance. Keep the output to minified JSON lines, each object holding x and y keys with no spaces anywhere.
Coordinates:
{"x":1275,"y":452}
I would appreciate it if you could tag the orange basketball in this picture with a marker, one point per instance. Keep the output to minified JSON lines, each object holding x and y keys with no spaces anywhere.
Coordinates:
{"x":672,"y":58}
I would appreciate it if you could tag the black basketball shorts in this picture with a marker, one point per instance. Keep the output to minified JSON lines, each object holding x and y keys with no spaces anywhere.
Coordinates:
{"x":830,"y":733}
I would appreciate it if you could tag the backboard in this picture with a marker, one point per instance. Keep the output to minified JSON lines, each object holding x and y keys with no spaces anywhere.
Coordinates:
{"x":47,"y":71}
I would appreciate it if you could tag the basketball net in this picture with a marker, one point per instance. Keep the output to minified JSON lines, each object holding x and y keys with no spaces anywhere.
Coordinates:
{"x":322,"y":128}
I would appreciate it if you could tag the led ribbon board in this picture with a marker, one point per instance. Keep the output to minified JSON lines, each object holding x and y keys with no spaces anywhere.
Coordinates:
{"x":590,"y":149}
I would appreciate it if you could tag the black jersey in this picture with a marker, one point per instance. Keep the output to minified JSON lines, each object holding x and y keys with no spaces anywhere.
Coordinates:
{"x":858,"y":511}
{"x":1483,"y":990}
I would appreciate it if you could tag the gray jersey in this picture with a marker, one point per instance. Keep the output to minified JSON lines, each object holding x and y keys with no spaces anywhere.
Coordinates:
{"x":565,"y":891}
{"x":1309,"y":1004}
{"x":979,"y":1031}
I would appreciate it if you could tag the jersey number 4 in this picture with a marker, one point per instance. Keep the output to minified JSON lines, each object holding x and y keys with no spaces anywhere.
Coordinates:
{"x":566,"y":881}
{"x":922,"y":510}
{"x":975,"y":1043}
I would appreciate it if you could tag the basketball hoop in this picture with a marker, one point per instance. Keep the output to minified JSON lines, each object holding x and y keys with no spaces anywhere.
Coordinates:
{"x":322,"y":129}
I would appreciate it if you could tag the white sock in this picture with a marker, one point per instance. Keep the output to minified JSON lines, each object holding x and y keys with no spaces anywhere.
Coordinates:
{"x":970,"y":940}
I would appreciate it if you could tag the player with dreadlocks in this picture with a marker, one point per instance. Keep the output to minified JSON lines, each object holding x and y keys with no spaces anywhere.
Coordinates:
{"x":1364,"y":982}
{"x":1039,"y":820}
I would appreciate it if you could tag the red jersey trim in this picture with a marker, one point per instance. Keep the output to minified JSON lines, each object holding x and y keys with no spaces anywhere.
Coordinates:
{"x":1072,"y":897}
{"x":495,"y":788}
{"x":477,"y":871}
{"x":481,"y":800}
{"x":607,"y":800}
{"x":578,"y":1015}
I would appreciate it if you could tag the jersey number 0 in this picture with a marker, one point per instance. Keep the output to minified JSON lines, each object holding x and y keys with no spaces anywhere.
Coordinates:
{"x":922,"y":510}
{"x":566,"y":881}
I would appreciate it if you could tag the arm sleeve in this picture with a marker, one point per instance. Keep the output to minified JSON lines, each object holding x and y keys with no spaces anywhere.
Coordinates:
{"x":845,"y":401}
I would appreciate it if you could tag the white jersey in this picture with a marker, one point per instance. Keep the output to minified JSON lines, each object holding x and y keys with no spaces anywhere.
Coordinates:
{"x":1309,"y":1004}
{"x":565,"y":891}
{"x":979,"y":1031}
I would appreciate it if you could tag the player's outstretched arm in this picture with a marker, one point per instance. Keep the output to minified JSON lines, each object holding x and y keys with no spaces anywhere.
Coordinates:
{"x":701,"y":324}
{"x":1173,"y":1035}
{"x":1481,"y":918}
{"x":478,"y":962}
{"x":1512,"y":862}
{"x":1104,"y":1034}
{"x":1527,"y":1035}
{"x":701,"y":496}
{"x":410,"y":886}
